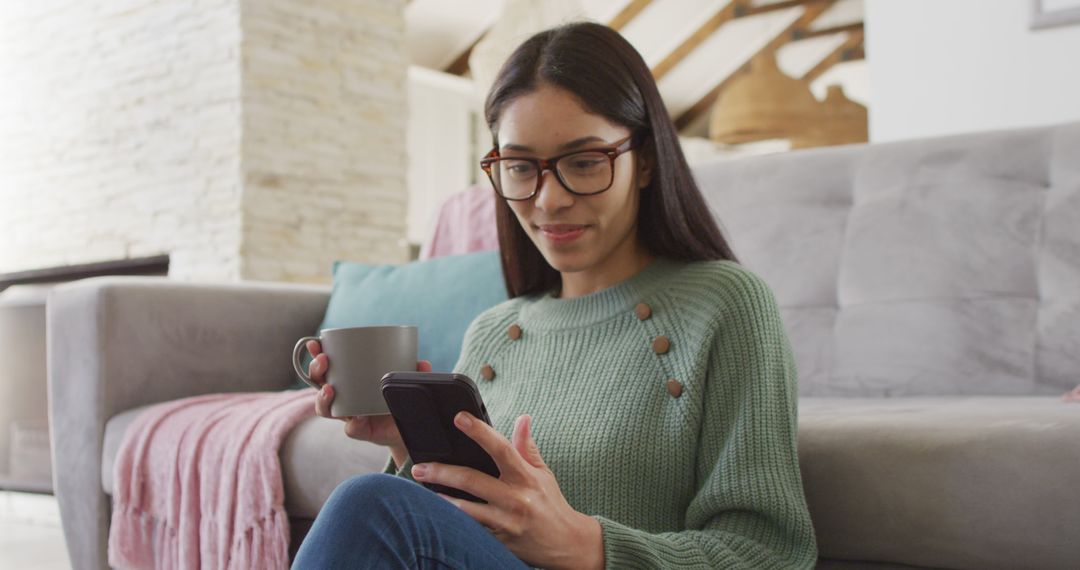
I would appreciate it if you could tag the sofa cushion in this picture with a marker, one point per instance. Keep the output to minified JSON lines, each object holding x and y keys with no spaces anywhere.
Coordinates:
{"x":957,"y":482}
{"x":441,"y":296}
{"x":316,"y":456}
{"x":786,"y":216}
{"x":986,"y":482}
{"x":916,"y":268}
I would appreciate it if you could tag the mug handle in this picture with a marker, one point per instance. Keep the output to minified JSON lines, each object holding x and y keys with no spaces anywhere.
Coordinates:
{"x":299,"y":348}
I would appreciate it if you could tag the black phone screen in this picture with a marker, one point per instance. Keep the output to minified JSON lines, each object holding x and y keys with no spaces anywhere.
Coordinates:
{"x":423,"y":405}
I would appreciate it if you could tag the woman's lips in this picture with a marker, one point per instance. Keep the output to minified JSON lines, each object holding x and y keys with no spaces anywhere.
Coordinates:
{"x":562,"y":233}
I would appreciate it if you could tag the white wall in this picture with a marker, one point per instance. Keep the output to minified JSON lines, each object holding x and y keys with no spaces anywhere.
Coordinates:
{"x":941,"y":67}
{"x":441,"y":160}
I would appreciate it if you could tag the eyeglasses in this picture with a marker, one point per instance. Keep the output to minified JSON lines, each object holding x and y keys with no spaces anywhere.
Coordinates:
{"x":581,"y":172}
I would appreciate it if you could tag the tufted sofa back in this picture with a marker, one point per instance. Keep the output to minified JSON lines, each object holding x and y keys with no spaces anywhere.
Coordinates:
{"x":923,"y":267}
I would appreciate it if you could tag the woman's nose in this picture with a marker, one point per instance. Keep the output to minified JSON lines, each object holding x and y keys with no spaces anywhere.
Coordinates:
{"x":552,"y":195}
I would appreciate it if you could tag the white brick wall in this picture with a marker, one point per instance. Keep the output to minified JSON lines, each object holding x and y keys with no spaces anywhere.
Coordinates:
{"x":324,"y":135}
{"x":248,"y":139}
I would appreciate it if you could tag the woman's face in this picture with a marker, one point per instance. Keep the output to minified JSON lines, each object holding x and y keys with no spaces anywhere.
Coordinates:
{"x":573,"y":233}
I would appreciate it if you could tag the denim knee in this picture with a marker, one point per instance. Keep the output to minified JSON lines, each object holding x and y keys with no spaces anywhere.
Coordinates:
{"x":365,"y":491}
{"x":382,"y":521}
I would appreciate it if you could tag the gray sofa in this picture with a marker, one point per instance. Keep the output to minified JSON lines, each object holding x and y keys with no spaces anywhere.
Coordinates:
{"x":931,"y":289}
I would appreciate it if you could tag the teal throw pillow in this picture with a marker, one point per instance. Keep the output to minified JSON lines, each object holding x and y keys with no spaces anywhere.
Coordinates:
{"x":441,"y":296}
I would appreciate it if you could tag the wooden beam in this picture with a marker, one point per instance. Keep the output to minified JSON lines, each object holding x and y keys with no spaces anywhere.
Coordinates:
{"x":850,"y":50}
{"x":746,"y":10}
{"x":813,"y":9}
{"x":732,"y":10}
{"x":808,"y":34}
{"x":725,"y":15}
{"x":628,"y":13}
{"x":460,"y":66}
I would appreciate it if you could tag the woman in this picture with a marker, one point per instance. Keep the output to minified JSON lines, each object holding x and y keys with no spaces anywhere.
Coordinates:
{"x":657,"y":368}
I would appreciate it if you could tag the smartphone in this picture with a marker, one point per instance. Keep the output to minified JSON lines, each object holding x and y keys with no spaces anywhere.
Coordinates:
{"x":423,"y":405}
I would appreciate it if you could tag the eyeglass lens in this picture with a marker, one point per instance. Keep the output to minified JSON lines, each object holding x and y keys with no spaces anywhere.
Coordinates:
{"x":583,"y":173}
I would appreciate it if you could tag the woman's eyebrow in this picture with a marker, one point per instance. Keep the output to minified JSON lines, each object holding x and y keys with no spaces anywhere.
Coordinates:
{"x":567,"y":146}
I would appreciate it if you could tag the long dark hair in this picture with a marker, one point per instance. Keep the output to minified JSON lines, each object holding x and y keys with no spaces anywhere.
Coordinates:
{"x":611,"y":79}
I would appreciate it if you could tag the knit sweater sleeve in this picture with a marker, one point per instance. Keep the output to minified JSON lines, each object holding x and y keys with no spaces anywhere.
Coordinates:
{"x":749,"y":510}
{"x":405,"y":470}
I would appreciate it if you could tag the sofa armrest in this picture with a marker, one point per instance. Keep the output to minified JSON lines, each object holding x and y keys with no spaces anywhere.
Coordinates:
{"x":115,"y":343}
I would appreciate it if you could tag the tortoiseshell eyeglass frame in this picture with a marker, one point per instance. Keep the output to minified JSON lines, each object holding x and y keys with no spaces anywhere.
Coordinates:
{"x":612,"y":151}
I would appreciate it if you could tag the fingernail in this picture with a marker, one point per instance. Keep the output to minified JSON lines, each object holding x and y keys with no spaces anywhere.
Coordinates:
{"x":419,"y":470}
{"x":463,"y":420}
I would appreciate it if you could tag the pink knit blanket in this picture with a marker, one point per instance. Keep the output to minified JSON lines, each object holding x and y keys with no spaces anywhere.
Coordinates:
{"x":198,"y":483}
{"x":465,"y":223}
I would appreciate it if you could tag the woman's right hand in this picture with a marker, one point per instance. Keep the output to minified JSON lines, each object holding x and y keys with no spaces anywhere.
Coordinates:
{"x":379,"y":429}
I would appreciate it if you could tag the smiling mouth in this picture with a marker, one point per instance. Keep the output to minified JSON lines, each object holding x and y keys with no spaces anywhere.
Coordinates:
{"x":561,"y":233}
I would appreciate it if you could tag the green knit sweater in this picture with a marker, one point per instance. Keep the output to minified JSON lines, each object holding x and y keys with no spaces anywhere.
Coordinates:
{"x":699,"y":472}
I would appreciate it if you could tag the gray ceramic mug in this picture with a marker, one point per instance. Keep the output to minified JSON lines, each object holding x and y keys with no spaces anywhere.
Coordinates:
{"x":359,"y":357}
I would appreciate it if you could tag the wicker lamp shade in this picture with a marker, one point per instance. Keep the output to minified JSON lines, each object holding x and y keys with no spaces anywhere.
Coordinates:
{"x":764,"y":104}
{"x":841,"y":121}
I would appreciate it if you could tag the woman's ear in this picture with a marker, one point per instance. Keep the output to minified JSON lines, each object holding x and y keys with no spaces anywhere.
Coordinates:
{"x":646,"y":163}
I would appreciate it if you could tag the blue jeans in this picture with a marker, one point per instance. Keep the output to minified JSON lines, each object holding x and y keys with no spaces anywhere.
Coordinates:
{"x":383,"y":521}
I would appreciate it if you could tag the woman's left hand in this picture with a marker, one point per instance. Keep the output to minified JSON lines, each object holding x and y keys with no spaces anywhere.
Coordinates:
{"x":525,"y":508}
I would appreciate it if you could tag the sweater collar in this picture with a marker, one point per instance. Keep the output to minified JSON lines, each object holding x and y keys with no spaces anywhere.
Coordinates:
{"x":548,"y":312}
